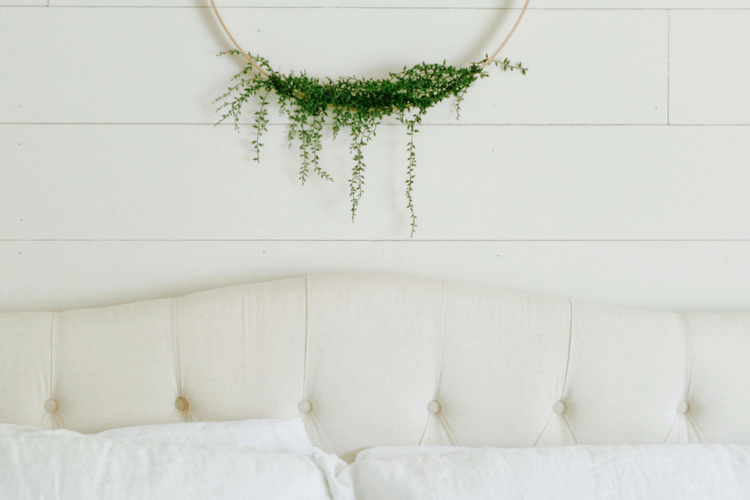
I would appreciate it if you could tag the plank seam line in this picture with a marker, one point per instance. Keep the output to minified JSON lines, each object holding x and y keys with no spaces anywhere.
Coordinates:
{"x":291,"y":240}
{"x":198,"y":124}
{"x":302,"y":7}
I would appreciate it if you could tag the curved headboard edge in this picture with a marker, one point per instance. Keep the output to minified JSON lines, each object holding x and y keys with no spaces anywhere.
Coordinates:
{"x":385,"y":360}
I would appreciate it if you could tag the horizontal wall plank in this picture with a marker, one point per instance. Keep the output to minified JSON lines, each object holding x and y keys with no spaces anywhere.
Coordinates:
{"x":426,"y":4}
{"x":23,"y":3}
{"x":159,"y":65}
{"x":657,"y":275}
{"x":474,"y":182}
{"x":709,"y":72}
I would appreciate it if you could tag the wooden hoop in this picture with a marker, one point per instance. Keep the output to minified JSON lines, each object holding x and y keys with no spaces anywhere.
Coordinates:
{"x":263,"y":72}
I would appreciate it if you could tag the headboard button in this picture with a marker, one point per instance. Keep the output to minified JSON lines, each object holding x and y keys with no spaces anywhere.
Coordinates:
{"x":51,"y":406}
{"x":683,"y":407}
{"x":559,"y":407}
{"x":434,"y":407}
{"x":304,"y":406}
{"x":182,"y":404}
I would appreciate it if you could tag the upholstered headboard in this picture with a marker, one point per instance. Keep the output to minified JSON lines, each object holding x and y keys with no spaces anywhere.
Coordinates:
{"x":384,"y":360}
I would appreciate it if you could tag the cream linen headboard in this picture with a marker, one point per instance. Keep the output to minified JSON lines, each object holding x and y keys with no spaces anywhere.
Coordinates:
{"x":384,"y":360}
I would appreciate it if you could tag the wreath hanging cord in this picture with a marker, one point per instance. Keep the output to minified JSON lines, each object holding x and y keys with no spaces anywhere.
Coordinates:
{"x":354,"y":104}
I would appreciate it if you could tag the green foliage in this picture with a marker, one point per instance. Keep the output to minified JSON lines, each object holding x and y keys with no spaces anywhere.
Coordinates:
{"x":358,"y":105}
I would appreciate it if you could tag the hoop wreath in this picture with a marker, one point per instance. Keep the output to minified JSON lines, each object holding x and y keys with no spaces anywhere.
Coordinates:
{"x":356,"y":105}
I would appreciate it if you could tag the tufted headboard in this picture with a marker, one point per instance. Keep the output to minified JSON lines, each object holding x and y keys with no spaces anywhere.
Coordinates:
{"x":384,"y":360}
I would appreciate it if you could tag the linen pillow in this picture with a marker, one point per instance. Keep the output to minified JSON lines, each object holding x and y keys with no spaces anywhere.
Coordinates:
{"x":646,"y":472}
{"x":65,"y":465}
{"x":259,"y":434}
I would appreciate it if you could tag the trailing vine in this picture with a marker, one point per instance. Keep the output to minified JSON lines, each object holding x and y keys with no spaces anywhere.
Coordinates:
{"x":358,"y":105}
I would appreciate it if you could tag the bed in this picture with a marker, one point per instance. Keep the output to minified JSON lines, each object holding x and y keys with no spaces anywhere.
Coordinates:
{"x":369,"y":360}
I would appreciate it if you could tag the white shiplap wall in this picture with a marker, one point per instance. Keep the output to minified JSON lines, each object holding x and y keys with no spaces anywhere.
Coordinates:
{"x":618,"y":169}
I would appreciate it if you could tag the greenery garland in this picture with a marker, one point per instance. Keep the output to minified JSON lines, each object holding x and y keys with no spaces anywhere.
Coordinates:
{"x":358,"y":105}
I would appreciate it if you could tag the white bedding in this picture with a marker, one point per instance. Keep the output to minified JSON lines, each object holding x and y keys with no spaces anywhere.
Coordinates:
{"x":260,"y":434}
{"x":274,"y":460}
{"x":648,"y":472}
{"x":64,"y":465}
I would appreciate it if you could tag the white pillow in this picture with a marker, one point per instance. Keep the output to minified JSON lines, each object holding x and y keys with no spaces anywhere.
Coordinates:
{"x":647,"y":472}
{"x":259,"y":434}
{"x":66,"y":465}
